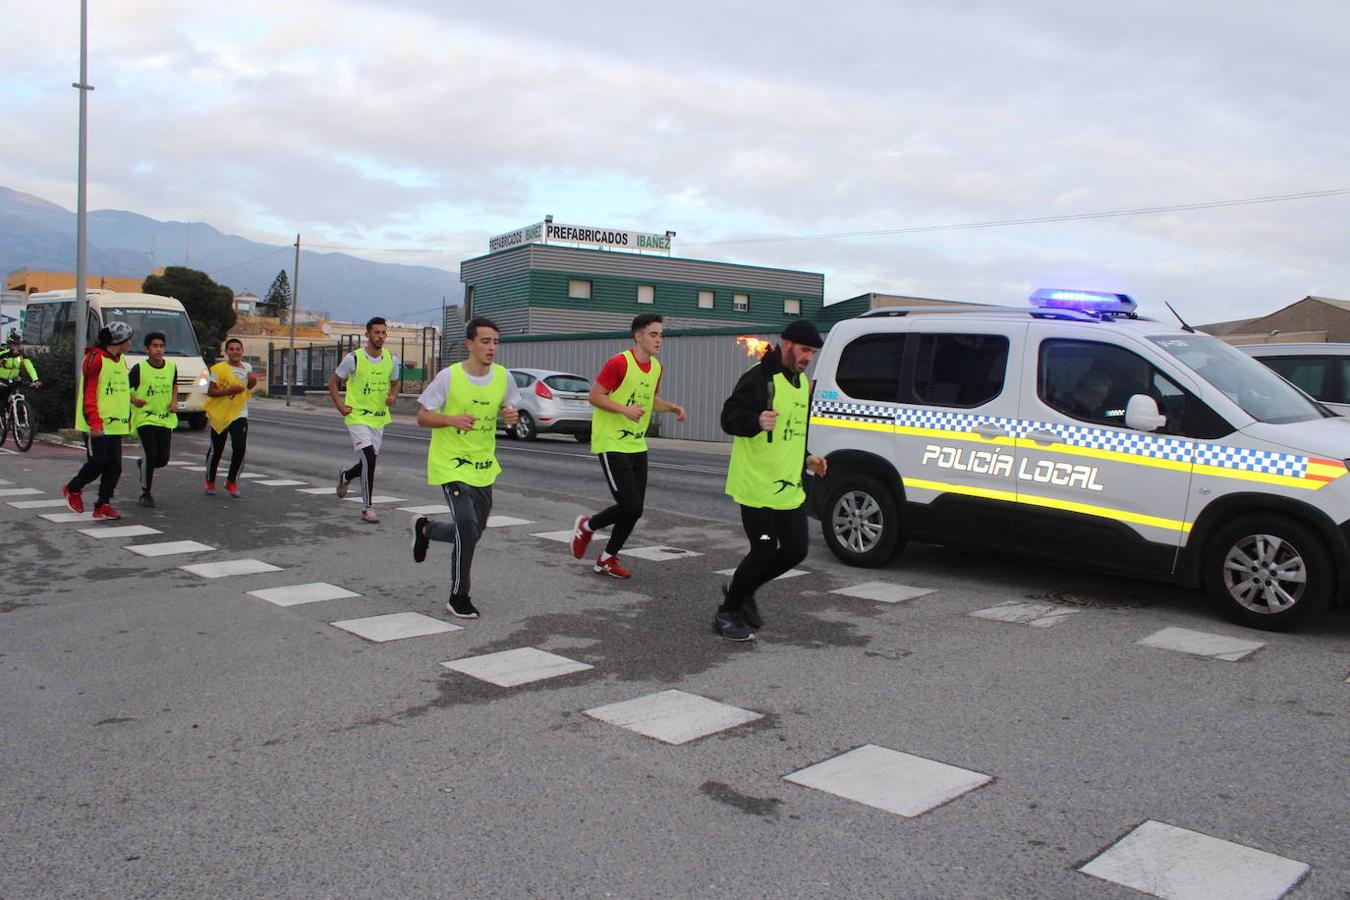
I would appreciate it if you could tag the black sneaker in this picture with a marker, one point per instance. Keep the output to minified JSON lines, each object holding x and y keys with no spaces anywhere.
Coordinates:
{"x":146,"y":499}
{"x":420,"y":539}
{"x":730,"y":626}
{"x":749,"y":610}
{"x":462,"y":607}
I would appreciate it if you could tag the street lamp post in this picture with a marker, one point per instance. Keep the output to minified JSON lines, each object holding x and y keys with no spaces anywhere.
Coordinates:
{"x":81,"y":206}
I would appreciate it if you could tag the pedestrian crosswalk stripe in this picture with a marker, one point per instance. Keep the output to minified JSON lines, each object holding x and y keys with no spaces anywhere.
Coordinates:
{"x":675,"y":717}
{"x":68,"y":517}
{"x":37,"y":504}
{"x":658,"y":553}
{"x":1167,"y":861}
{"x":228,"y":567}
{"x":1037,"y":615}
{"x":20,"y":492}
{"x":510,"y":668}
{"x":889,"y":780}
{"x":295,"y":594}
{"x":108,"y":532}
{"x":169,"y":548}
{"x":395,"y":626}
{"x":883,"y":591}
{"x":1201,"y":643}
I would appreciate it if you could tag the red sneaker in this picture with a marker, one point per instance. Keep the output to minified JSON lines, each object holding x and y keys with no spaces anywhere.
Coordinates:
{"x":74,"y":499}
{"x":581,"y":536}
{"x":611,"y":568}
{"x":105,"y":511}
{"x":232,"y":489}
{"x":211,"y":488}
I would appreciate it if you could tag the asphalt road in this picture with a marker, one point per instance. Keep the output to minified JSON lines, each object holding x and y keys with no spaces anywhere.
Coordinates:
{"x":165,"y":734}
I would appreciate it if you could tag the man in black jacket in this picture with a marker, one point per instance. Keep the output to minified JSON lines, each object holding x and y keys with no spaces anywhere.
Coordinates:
{"x":767,"y":414}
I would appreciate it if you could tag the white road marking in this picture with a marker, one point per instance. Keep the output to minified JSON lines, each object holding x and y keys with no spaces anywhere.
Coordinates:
{"x":1202,"y":643}
{"x":169,"y":548}
{"x":20,"y":492}
{"x":1037,"y":615}
{"x":883,"y":591}
{"x":281,"y":482}
{"x":119,"y":531}
{"x":395,"y":626}
{"x":1167,"y":861}
{"x":36,"y":504}
{"x":658,"y":553}
{"x":510,"y":668}
{"x":230,"y":567}
{"x":790,"y":573}
{"x":889,"y":780}
{"x":674,"y":717}
{"x":296,"y":594}
{"x":67,"y":517}
{"x":505,"y":521}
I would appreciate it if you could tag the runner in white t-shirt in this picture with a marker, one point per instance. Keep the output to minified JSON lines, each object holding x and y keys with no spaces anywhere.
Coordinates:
{"x":371,"y":376}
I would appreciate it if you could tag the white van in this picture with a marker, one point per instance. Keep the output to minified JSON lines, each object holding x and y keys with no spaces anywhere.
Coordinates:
{"x":51,"y":315}
{"x":1083,"y":434}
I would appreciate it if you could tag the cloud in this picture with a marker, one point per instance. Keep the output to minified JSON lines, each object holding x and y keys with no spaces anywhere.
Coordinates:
{"x":408,"y":123}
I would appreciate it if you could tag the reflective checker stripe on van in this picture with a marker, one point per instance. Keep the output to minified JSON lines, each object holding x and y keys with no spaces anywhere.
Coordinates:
{"x":1313,"y":471}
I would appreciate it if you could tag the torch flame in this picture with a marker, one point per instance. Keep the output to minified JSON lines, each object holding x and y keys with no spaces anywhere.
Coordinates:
{"x":754,"y":347}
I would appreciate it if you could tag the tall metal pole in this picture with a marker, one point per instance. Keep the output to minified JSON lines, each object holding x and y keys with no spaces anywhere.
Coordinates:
{"x":84,"y":87}
{"x":295,"y":305}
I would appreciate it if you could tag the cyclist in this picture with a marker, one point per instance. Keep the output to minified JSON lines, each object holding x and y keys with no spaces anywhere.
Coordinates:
{"x":14,"y":366}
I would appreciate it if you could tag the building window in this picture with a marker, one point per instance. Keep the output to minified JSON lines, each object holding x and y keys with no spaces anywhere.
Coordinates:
{"x":646,"y":293}
{"x":579,"y":289}
{"x":792,"y":307}
{"x":740,"y":302}
{"x":705,"y":299}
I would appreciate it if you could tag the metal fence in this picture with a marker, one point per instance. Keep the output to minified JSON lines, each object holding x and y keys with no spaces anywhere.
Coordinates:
{"x":308,"y":368}
{"x":698,"y":370}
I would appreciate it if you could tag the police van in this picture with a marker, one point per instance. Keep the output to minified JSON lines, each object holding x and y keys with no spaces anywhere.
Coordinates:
{"x":1079,"y":432}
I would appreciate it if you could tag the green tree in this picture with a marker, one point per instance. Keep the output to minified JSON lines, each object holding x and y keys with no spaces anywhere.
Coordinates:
{"x":278,"y":299}
{"x":210,"y":306}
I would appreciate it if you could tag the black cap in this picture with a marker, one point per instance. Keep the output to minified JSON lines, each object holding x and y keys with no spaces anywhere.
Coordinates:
{"x":802,"y":332}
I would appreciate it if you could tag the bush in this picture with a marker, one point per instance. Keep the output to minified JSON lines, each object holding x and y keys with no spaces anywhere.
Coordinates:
{"x":54,"y":405}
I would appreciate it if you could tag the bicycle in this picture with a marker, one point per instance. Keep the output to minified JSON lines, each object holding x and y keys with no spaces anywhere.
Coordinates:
{"x":16,"y":418}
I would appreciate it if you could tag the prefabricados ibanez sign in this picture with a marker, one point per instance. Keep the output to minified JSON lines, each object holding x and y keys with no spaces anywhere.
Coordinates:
{"x":555,"y":233}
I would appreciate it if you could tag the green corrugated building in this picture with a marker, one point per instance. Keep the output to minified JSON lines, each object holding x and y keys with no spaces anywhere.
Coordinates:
{"x":530,"y":283}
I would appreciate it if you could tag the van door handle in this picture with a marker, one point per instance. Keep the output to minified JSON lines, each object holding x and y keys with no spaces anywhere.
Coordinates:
{"x":990,"y":430}
{"x":1042,"y":436}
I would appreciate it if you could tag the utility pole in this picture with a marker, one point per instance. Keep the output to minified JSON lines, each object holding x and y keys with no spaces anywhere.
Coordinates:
{"x":81,"y":205}
{"x":295,"y":305}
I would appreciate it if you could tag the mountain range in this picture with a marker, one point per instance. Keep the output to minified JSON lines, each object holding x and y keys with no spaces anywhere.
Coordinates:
{"x":40,"y":235}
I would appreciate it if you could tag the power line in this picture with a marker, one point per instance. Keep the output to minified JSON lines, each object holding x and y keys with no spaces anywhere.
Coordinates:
{"x":1036,"y":220}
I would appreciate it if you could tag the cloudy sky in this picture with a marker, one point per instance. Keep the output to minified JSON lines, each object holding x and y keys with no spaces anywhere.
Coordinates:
{"x":411,"y":130}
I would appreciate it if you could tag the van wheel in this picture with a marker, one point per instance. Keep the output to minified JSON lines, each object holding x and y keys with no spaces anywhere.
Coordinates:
{"x":862,"y":521}
{"x":1268,"y":571}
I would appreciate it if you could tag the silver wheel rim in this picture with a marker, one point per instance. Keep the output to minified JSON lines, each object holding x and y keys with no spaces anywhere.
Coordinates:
{"x":522,"y":432}
{"x":1265,"y":574}
{"x":857,"y":522}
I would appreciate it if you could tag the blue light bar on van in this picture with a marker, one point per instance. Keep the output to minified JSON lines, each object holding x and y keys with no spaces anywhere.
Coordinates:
{"x":1087,"y":301}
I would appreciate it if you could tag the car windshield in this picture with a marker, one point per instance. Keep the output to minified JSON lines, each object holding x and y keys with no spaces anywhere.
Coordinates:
{"x":568,"y":383}
{"x":179,"y":339}
{"x":1261,"y":393}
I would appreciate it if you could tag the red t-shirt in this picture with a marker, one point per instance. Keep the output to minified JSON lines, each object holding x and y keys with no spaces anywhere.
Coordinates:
{"x":613,"y":372}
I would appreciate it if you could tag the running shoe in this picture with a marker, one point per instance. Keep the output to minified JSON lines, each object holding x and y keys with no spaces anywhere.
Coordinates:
{"x":731,"y":626}
{"x":105,"y":511}
{"x":343,"y":484}
{"x":232,"y":489}
{"x":611,"y":568}
{"x":420,"y":539}
{"x":146,"y":499}
{"x":211,"y":488}
{"x":74,"y":499}
{"x":581,"y":536}
{"x":749,"y":610}
{"x":368,"y":515}
{"x":462,"y":607}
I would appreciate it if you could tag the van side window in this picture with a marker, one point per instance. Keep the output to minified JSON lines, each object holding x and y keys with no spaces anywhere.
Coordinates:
{"x":1093,"y":382}
{"x":869,"y":367}
{"x":960,"y":369}
{"x":1311,"y":373}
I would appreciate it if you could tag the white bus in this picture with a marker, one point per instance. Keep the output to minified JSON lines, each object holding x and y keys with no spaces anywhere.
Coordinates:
{"x":51,"y":315}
